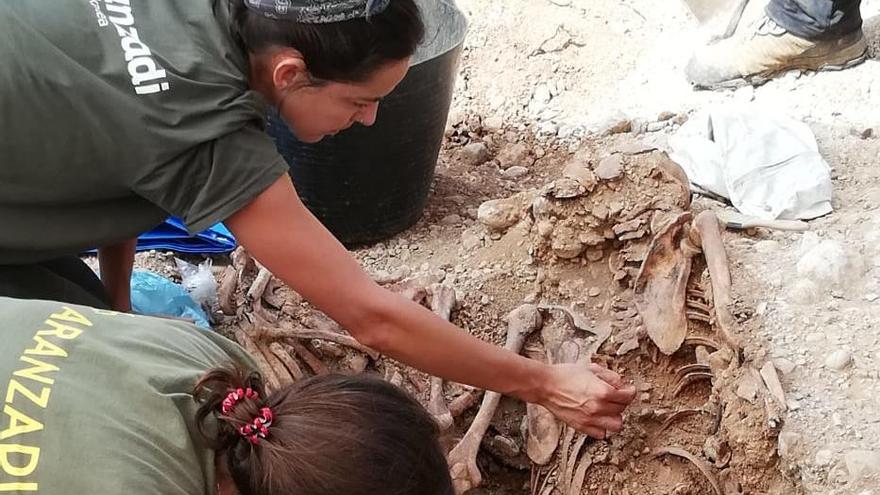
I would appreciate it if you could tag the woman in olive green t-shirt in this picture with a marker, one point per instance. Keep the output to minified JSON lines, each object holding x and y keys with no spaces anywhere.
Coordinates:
{"x":104,"y":403}
{"x":121,"y":112}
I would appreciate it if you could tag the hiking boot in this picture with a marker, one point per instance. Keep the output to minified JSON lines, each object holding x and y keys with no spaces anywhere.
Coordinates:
{"x":768,"y":50}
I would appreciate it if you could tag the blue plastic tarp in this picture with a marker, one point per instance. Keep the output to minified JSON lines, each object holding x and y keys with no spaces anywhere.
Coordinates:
{"x":173,"y":236}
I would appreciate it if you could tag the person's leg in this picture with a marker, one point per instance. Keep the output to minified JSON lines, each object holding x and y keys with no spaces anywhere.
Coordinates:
{"x":767,"y":48}
{"x":816,"y":19}
{"x":67,"y":280}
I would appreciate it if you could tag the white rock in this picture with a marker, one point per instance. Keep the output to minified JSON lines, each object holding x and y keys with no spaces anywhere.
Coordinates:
{"x":475,"y":153}
{"x":830,"y":263}
{"x":499,"y":214}
{"x":824,"y":457}
{"x":839,"y":360}
{"x":788,"y":441}
{"x":862,"y":464}
{"x":785,"y":366}
{"x":542,"y":94}
{"x":767,"y":246}
{"x":805,"y":292}
{"x":515,"y":172}
{"x":493,"y":123}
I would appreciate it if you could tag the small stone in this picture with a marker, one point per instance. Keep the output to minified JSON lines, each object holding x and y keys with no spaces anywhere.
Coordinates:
{"x":548,"y":129}
{"x":621,"y":127}
{"x":862,"y":464}
{"x":645,"y":397}
{"x":785,"y":366}
{"x":767,"y":246}
{"x":655,"y":126}
{"x":823,"y":457}
{"x":475,"y":154}
{"x":664,"y":116}
{"x":515,"y":172}
{"x":610,"y":168}
{"x":578,"y":171}
{"x":804,"y":292}
{"x":871,"y":297}
{"x":594,"y":254}
{"x":500,"y":214}
{"x":485,"y":300}
{"x":470,"y":241}
{"x":594,"y":292}
{"x":787,"y":442}
{"x":451,"y":219}
{"x":516,"y":154}
{"x":494,"y":123}
{"x":542,"y":94}
{"x":839,"y":360}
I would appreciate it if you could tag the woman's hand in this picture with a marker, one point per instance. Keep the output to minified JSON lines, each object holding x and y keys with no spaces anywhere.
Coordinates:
{"x":279,"y":232}
{"x":588,"y":397}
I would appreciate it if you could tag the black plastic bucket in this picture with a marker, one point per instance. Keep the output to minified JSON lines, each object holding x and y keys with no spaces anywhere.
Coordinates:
{"x":368,"y":183}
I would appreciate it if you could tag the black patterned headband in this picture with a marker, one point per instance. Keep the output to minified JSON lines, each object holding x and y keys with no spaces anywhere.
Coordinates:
{"x":317,"y":11}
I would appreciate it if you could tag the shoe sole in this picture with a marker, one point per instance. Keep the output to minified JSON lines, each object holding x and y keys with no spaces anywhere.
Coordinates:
{"x":803,"y":64}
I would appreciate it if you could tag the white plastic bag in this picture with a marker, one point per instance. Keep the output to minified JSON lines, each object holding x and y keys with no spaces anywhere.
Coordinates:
{"x":768,"y":165}
{"x":198,"y":281}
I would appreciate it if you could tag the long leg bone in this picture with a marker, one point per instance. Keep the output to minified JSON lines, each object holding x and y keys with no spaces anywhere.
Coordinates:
{"x":708,"y":232}
{"x":442,"y":302}
{"x":463,"y":458}
{"x":661,"y":286}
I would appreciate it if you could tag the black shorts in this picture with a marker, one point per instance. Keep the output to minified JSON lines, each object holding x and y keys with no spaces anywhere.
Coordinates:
{"x":66,"y":279}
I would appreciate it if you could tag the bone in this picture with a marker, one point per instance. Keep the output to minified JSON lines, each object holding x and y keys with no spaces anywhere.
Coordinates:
{"x":284,"y":356}
{"x":255,"y":293}
{"x":271,"y":295}
{"x":272,"y":381}
{"x":462,"y":460}
{"x":691,"y":378}
{"x":463,"y":402}
{"x":700,"y":465}
{"x":442,"y":302}
{"x":317,"y":366}
{"x":709,"y":232}
{"x":661,"y":286}
{"x":290,"y":332}
{"x":675,"y":417}
{"x":226,"y":292}
{"x":771,"y":380}
{"x":544,"y":429}
{"x":285,"y":376}
{"x":242,"y":262}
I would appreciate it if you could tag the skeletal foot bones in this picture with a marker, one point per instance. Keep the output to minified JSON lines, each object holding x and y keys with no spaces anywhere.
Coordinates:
{"x":463,"y":458}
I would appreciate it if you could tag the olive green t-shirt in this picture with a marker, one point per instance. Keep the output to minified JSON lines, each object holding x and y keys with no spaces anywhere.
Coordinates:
{"x":117,"y":113}
{"x":100,"y":403}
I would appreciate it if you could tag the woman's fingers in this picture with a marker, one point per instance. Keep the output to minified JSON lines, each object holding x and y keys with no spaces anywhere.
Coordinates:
{"x":607,"y":376}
